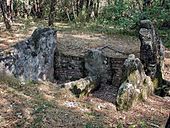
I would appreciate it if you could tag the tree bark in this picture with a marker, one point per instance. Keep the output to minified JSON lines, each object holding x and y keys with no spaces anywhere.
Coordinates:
{"x":89,"y":9}
{"x":96,"y":8}
{"x":52,"y":13}
{"x":5,"y":13}
{"x":10,"y":9}
{"x":26,"y":8}
{"x":74,"y":11}
{"x":81,"y":4}
{"x":139,"y":5}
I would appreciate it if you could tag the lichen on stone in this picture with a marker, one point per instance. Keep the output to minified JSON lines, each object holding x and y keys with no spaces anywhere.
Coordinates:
{"x":136,"y":85}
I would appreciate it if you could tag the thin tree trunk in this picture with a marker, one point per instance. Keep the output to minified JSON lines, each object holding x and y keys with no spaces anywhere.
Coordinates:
{"x":96,"y":8}
{"x":6,"y":16}
{"x":77,"y":7}
{"x":52,"y":13}
{"x":26,"y":8}
{"x":15,"y":8}
{"x":9,"y":9}
{"x":108,"y":2}
{"x":73,"y":9}
{"x":80,"y":8}
{"x":81,"y":4}
{"x":68,"y":16}
{"x":139,"y":5}
{"x":39,"y":9}
{"x":89,"y":9}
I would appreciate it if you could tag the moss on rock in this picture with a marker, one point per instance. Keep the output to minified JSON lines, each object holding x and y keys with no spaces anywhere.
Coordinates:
{"x":137,"y":86}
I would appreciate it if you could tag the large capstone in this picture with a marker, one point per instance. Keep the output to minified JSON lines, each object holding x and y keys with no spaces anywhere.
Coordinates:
{"x":31,"y":59}
{"x":151,"y":51}
{"x":135,"y":84}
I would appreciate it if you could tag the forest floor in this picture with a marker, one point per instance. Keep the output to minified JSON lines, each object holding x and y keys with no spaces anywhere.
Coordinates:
{"x":48,"y":106}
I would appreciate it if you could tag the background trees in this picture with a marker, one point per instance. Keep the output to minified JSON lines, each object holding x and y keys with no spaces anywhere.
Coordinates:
{"x":122,"y":14}
{"x":104,"y":11}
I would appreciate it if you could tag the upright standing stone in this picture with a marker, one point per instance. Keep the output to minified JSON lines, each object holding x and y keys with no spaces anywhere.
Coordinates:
{"x":135,"y":84}
{"x":151,"y":51}
{"x":31,"y":59}
{"x":95,"y":65}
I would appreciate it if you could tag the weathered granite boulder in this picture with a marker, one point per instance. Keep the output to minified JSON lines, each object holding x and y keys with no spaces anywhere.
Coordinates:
{"x":151,"y":51}
{"x":135,"y":84}
{"x":31,"y":59}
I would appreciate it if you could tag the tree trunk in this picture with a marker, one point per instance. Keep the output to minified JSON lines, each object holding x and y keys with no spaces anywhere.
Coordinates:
{"x":74,"y":11}
{"x":10,"y":9}
{"x":52,"y":13}
{"x":68,"y":16}
{"x":147,"y":3}
{"x":26,"y":8}
{"x":77,"y":7}
{"x":81,"y":4}
{"x":5,"y":13}
{"x":80,"y":9}
{"x":15,"y":8}
{"x":108,"y":2}
{"x":139,"y":5}
{"x":96,"y":8}
{"x":39,"y":9}
{"x":89,"y":9}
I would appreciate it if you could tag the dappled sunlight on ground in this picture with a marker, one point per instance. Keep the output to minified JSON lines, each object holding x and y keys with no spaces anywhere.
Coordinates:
{"x":78,"y":44}
{"x":12,"y":107}
{"x":62,"y":25}
{"x":167,"y":69}
{"x":87,"y":37}
{"x":74,"y":42}
{"x":47,"y":105}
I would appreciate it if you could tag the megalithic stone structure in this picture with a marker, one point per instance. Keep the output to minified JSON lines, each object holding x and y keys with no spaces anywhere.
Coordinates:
{"x":151,"y":52}
{"x":31,"y":59}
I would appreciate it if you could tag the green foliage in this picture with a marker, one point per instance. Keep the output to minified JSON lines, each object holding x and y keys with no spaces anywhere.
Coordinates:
{"x":9,"y":80}
{"x":117,"y":14}
{"x":165,"y":36}
{"x":90,"y":125}
{"x":125,"y":16}
{"x":122,"y":15}
{"x":143,"y":124}
{"x":120,"y":125}
{"x":38,"y":112}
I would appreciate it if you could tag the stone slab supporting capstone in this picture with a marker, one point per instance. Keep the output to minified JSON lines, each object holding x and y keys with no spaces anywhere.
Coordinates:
{"x":151,"y":51}
{"x":31,"y":59}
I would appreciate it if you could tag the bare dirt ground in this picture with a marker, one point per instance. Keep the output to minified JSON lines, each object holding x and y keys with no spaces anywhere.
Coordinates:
{"x":47,"y":106}
{"x":167,"y":65}
{"x":77,"y":43}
